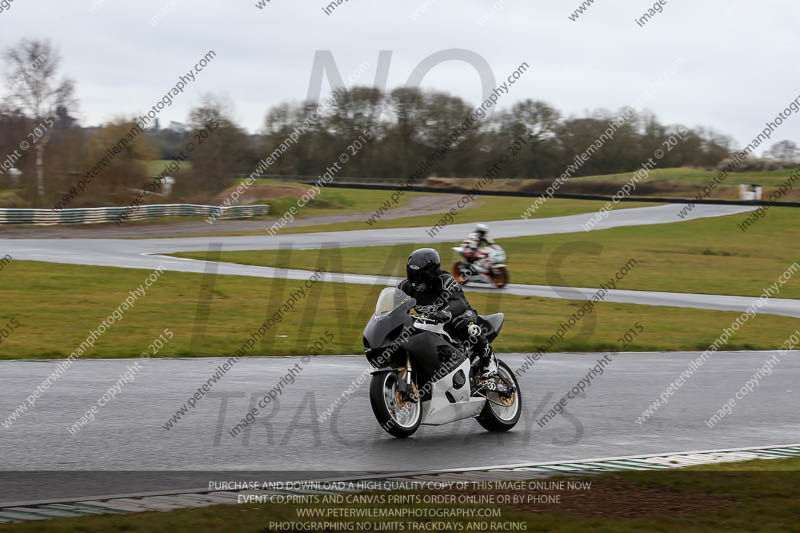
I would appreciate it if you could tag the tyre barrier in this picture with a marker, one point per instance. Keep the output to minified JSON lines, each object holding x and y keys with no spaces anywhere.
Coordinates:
{"x":104,"y":215}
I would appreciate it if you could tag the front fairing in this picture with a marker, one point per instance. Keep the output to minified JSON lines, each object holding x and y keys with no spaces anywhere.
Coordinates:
{"x":385,"y":326}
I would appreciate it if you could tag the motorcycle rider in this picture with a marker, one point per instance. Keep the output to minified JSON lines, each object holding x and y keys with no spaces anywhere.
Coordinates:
{"x":475,"y":241}
{"x":440,"y":297}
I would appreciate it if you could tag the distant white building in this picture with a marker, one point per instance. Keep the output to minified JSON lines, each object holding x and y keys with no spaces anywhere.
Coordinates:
{"x":15,"y":174}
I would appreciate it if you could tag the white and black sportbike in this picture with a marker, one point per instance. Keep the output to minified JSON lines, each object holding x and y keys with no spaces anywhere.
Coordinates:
{"x":488,"y":268}
{"x":425,"y":376}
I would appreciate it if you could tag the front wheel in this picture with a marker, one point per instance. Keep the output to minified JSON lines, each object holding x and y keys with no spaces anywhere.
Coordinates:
{"x":397,"y":414}
{"x":502,"y":412}
{"x":459,"y":272}
{"x":500,"y":277}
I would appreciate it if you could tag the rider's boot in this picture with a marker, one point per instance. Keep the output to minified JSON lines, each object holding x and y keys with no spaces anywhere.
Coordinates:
{"x":488,"y":363}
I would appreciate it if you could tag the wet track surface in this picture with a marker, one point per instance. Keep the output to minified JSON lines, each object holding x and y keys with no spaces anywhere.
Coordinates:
{"x":289,"y":441}
{"x":146,"y":254}
{"x":121,"y":252}
{"x":415,"y":206}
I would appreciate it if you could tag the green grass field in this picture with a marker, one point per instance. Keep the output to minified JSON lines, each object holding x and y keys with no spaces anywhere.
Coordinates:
{"x":662,"y":182}
{"x":329,"y":199}
{"x":56,"y":306}
{"x":157,"y":166}
{"x":757,"y":496}
{"x":12,"y":198}
{"x":328,"y":202}
{"x":708,"y":256}
{"x":769,"y":178}
{"x":490,"y":208}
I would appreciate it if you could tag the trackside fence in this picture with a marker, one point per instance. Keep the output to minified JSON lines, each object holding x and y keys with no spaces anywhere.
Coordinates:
{"x":104,"y":215}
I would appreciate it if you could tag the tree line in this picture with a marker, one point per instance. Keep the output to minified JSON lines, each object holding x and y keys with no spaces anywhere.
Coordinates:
{"x":405,"y":125}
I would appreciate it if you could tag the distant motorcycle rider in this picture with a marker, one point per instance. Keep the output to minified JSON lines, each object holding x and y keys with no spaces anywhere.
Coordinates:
{"x":475,"y":241}
{"x":439,"y":296}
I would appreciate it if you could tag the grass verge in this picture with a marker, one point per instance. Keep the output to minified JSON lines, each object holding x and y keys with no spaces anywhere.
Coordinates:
{"x":700,"y":176}
{"x":328,"y":199}
{"x":56,"y":306}
{"x":490,"y":208}
{"x":706,"y":256}
{"x":662,"y":182}
{"x":157,"y":166}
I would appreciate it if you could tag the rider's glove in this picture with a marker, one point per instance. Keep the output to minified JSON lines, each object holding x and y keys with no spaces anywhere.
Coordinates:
{"x":440,"y":316}
{"x":473,"y":330}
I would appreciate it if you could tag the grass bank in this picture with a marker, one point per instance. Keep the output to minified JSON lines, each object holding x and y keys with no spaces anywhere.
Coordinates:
{"x":662,"y":182}
{"x":706,"y":256}
{"x":56,"y":307}
{"x":485,"y":209}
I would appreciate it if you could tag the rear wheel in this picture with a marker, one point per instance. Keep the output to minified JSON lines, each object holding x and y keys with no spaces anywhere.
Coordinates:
{"x":502,"y":412}
{"x":459,"y":272}
{"x":397,"y":414}
{"x":499,"y":277}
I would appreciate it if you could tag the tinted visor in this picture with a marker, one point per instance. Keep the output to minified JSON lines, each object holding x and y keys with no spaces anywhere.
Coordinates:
{"x":419,"y":278}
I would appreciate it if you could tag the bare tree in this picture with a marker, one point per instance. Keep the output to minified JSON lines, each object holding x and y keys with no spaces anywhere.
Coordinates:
{"x":785,"y":150}
{"x":33,"y":89}
{"x":534,"y":117}
{"x":219,"y":149}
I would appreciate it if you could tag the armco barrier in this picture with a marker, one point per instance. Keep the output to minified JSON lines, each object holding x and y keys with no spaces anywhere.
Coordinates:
{"x":101,"y":215}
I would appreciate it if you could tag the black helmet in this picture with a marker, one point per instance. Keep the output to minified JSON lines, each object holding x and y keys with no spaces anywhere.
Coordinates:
{"x":422,"y":267}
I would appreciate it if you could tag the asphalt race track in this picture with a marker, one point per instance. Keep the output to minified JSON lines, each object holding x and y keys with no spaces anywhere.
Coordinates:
{"x":289,"y":440}
{"x":128,"y":433}
{"x":146,"y":254}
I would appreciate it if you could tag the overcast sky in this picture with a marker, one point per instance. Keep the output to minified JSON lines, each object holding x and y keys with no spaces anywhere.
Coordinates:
{"x":740,"y":65}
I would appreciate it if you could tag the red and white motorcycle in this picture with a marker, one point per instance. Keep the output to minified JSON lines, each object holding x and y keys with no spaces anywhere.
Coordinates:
{"x":488,"y":267}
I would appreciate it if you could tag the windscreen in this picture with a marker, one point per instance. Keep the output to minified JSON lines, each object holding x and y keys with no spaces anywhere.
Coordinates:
{"x":389,"y":300}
